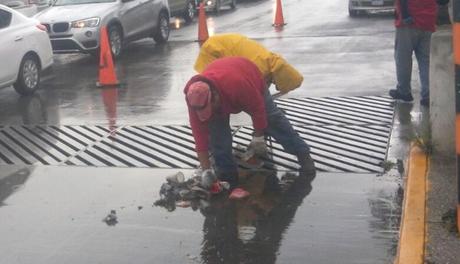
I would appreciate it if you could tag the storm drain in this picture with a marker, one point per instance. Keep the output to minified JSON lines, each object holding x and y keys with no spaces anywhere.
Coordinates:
{"x":346,"y":134}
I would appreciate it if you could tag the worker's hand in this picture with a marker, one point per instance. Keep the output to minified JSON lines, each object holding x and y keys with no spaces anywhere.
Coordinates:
{"x":258,"y":145}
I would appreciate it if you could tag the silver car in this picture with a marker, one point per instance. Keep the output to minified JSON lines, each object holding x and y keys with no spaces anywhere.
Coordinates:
{"x":355,"y":7}
{"x":74,"y":25}
{"x":216,"y":5}
{"x":183,"y":8}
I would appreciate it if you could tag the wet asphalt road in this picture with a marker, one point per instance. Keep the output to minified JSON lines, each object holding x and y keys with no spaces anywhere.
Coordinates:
{"x":336,"y":54}
{"x":52,"y":214}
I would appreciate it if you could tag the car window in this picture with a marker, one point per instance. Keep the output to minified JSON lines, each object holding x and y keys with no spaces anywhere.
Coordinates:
{"x":5,"y":18}
{"x":78,"y":2}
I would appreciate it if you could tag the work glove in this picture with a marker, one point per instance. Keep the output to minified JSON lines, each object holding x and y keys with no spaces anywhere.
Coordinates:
{"x":258,"y":145}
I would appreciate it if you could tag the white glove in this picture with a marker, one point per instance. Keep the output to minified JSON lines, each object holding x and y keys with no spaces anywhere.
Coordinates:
{"x":258,"y":145}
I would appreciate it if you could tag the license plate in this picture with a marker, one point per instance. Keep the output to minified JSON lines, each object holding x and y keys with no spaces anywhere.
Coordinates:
{"x":377,"y":3}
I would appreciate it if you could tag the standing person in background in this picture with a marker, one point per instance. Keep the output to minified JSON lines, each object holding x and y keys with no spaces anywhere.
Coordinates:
{"x":229,"y":86}
{"x":273,"y":67}
{"x":415,"y":22}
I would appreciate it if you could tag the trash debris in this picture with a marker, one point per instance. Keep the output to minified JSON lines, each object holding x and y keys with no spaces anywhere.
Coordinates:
{"x":111,"y":219}
{"x":183,"y":204}
{"x":194,"y":192}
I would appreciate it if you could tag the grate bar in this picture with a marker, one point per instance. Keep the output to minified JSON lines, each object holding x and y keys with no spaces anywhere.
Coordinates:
{"x":346,"y":134}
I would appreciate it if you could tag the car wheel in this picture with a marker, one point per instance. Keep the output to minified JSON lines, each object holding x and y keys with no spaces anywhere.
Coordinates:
{"x":29,"y":75}
{"x":233,"y":4}
{"x":189,"y":12}
{"x":115,"y":41}
{"x":162,"y":33}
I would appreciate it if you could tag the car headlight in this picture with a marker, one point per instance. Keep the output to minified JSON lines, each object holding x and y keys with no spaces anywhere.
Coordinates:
{"x":89,"y":22}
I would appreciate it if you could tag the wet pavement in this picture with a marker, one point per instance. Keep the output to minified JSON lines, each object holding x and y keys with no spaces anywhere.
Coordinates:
{"x":54,"y":214}
{"x":339,"y":56}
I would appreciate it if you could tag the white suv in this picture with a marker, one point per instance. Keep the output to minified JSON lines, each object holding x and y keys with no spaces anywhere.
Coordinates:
{"x":74,"y":25}
{"x":25,"y":51}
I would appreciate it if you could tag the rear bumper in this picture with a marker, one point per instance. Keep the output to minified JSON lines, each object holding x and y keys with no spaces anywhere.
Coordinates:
{"x":371,"y":5}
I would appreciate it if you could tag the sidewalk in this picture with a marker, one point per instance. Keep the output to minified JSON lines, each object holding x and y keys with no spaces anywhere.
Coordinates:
{"x":435,"y":240}
{"x":443,"y":242}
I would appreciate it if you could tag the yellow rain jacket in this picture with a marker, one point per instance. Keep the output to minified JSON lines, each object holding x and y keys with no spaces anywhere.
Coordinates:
{"x":274,"y":68}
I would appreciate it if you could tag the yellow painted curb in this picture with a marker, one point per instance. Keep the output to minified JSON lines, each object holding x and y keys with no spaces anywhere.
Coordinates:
{"x":411,"y":246}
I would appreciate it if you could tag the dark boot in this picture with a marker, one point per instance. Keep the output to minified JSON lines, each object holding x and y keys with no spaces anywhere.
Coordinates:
{"x":307,"y":164}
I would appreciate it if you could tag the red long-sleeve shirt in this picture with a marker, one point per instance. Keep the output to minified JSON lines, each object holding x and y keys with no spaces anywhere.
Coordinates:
{"x":240,"y":86}
{"x":423,"y":12}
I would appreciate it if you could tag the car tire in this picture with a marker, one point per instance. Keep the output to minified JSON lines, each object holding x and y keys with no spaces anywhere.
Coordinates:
{"x":189,"y":12}
{"x":115,"y":40}
{"x":29,"y":75}
{"x":233,"y":4}
{"x":162,"y":32}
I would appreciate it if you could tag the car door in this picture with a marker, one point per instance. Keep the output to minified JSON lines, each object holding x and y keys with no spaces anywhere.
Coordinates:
{"x":147,"y":15}
{"x":130,"y":17}
{"x":11,"y":47}
{"x":176,"y":6}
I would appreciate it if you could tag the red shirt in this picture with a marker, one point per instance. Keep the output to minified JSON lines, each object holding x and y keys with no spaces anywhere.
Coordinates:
{"x":423,"y":12}
{"x":240,"y":86}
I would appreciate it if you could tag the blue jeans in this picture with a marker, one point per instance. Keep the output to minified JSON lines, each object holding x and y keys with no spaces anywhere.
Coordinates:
{"x":279,"y":128}
{"x":409,"y":41}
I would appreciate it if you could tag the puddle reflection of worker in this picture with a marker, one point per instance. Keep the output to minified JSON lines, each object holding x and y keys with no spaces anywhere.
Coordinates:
{"x":228,"y":86}
{"x":251,"y":230}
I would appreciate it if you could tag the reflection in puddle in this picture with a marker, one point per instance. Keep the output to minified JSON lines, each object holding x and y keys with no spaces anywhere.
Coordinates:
{"x":248,"y":230}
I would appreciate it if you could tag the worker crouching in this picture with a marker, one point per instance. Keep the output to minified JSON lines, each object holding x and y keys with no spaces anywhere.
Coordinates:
{"x":232,"y":85}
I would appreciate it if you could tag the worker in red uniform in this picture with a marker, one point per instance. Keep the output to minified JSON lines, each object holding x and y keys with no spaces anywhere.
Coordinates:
{"x":415,"y":22}
{"x":229,"y":86}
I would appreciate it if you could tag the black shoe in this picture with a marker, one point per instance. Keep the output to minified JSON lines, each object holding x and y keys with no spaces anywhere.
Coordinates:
{"x":307,"y":164}
{"x":395,"y":94}
{"x":425,"y":102}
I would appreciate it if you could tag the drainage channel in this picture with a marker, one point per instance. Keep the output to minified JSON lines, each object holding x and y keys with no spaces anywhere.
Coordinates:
{"x":347,"y":134}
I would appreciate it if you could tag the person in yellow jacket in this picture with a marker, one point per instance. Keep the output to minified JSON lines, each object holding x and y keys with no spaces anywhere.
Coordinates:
{"x":273,"y":67}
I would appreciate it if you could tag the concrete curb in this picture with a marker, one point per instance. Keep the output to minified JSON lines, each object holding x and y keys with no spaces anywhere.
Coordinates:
{"x":411,"y":247}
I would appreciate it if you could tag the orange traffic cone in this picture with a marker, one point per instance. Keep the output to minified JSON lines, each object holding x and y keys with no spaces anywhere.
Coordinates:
{"x":279,"y":20}
{"x":202,"y":26}
{"x":107,"y":75}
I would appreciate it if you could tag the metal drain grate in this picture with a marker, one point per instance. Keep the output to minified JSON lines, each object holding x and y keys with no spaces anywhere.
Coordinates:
{"x":346,"y":134}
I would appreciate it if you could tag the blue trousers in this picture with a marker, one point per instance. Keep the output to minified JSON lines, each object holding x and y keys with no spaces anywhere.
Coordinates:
{"x":409,"y":41}
{"x":279,"y":128}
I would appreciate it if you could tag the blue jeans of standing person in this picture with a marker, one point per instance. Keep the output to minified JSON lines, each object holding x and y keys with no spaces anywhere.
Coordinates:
{"x":408,"y":41}
{"x":278,"y":127}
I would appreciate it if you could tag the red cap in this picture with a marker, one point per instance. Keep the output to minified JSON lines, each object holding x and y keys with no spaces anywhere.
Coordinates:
{"x":199,"y":99}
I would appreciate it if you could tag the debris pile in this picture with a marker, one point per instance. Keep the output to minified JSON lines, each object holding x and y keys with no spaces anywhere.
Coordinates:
{"x":194,"y":192}
{"x":111,"y":219}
